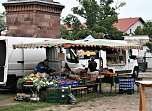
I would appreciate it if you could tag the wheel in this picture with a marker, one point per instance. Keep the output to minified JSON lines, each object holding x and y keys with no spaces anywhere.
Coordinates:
{"x":135,"y":73}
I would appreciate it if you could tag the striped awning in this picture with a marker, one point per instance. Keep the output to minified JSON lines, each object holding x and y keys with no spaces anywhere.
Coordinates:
{"x":52,"y":43}
{"x":100,"y":43}
{"x":116,"y":44}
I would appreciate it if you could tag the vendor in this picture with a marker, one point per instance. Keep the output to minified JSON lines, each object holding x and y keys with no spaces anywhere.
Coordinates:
{"x":92,"y":65}
{"x":42,"y":67}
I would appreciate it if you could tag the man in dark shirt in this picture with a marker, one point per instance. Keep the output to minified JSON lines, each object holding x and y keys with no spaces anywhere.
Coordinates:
{"x":42,"y":67}
{"x":92,"y":65}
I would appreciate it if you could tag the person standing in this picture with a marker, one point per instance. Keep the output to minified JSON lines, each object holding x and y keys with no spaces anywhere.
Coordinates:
{"x":92,"y":65}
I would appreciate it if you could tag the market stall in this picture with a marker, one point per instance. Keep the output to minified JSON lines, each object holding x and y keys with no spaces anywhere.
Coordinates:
{"x":54,"y":82}
{"x":80,"y":78}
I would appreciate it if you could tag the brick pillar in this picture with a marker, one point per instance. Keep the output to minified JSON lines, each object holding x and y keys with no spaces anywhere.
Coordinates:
{"x":36,"y":17}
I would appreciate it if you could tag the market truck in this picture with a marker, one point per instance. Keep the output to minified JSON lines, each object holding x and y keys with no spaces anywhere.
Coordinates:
{"x":117,"y":59}
{"x":15,"y":63}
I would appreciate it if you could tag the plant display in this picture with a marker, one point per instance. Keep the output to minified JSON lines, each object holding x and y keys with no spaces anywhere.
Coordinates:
{"x":37,"y":81}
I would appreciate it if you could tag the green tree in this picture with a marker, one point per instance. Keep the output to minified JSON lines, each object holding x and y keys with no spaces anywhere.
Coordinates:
{"x":72,"y":22}
{"x":88,"y":10}
{"x":64,"y":33}
{"x":83,"y":33}
{"x":138,"y":31}
{"x":147,"y":30}
{"x":2,"y":21}
{"x":100,"y":18}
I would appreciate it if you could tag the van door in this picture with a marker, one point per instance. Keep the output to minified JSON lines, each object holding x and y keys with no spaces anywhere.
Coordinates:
{"x":3,"y":61}
{"x":72,"y":60}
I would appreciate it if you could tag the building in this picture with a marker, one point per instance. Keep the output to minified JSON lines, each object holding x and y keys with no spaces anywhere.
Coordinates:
{"x":33,"y":18}
{"x":129,"y":25}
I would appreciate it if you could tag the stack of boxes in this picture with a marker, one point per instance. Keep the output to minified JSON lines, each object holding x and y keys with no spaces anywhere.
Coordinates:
{"x":126,"y":85}
{"x":57,"y":95}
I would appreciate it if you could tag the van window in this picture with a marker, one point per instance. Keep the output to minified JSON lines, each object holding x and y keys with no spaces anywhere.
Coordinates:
{"x":116,"y":56}
{"x":70,"y":57}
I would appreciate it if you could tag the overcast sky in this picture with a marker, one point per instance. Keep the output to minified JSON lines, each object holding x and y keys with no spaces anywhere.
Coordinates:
{"x":133,"y":8}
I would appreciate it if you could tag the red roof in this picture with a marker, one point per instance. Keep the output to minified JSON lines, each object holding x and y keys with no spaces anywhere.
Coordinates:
{"x":125,"y":23}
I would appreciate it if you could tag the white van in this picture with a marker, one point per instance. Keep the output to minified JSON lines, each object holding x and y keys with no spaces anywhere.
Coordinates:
{"x":118,"y":60}
{"x":15,"y":63}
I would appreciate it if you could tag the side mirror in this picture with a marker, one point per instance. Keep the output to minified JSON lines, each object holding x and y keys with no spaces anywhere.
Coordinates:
{"x":76,"y":59}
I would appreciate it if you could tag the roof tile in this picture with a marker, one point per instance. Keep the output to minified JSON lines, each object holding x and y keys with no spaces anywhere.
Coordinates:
{"x":125,"y":23}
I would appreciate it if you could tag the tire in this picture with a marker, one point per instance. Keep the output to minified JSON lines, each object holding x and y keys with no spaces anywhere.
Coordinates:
{"x":135,"y":73}
{"x":12,"y":83}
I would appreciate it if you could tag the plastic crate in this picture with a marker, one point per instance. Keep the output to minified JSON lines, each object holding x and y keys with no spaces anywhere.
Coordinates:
{"x":52,"y":91}
{"x":51,"y":86}
{"x":63,"y":96}
{"x":74,"y":83}
{"x":52,"y":101}
{"x":128,"y":91}
{"x":63,"y":90}
{"x":84,"y":81}
{"x":126,"y":85}
{"x":81,"y":82}
{"x":63,"y":101}
{"x":57,"y":93}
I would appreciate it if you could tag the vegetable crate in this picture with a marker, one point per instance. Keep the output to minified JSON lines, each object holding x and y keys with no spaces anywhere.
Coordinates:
{"x":57,"y":95}
{"x":84,"y":81}
{"x":64,"y":84}
{"x":126,"y":85}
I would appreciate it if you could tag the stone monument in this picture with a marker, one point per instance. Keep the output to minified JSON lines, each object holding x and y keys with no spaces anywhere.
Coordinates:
{"x":33,"y":18}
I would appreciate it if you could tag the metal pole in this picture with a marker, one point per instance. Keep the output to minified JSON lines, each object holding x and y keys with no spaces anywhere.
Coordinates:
{"x":100,"y":68}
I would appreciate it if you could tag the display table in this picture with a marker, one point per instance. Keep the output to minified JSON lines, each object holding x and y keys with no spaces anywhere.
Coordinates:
{"x":111,"y":79}
{"x":143,"y":84}
{"x":80,"y":89}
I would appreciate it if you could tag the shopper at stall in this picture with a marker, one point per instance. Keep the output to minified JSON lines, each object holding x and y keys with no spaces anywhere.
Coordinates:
{"x":42,"y":67}
{"x":92,"y":65}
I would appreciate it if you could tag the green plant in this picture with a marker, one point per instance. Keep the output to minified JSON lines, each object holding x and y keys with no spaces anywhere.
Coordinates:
{"x":21,"y":82}
{"x":38,"y":83}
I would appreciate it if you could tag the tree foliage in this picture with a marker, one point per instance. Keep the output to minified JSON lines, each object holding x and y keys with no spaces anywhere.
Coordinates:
{"x":75,"y":28}
{"x":2,"y":21}
{"x":99,"y":20}
{"x":146,"y":30}
{"x":138,"y":31}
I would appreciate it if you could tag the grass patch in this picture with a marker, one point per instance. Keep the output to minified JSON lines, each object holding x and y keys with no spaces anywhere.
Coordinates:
{"x":25,"y":106}
{"x":6,"y":94}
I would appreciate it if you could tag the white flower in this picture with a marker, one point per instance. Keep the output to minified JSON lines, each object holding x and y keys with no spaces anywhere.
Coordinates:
{"x":32,"y":79}
{"x":25,"y":78}
{"x":50,"y":83}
